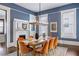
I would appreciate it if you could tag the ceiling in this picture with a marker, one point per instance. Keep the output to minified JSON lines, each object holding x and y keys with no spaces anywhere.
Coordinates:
{"x":44,"y":6}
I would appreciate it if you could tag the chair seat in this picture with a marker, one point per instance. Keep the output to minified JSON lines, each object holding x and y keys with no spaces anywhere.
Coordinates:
{"x":43,"y":50}
{"x":24,"y":48}
{"x":39,"y":50}
{"x":30,"y":49}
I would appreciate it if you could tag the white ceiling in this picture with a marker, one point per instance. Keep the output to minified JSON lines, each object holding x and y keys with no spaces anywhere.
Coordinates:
{"x":44,"y":6}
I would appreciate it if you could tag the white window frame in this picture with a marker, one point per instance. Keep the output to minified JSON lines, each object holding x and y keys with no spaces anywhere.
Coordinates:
{"x":43,"y":22}
{"x":63,"y":35}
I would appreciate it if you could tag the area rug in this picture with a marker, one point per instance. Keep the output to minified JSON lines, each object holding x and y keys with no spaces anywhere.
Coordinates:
{"x":59,"y":51}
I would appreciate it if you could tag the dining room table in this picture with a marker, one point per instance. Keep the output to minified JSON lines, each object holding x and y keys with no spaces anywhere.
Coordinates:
{"x":35,"y":43}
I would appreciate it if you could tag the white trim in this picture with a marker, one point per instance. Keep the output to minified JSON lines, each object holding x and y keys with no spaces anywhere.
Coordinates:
{"x":32,"y":18}
{"x":51,"y":26}
{"x":68,"y":42}
{"x":58,"y":11}
{"x":46,"y":17}
{"x":19,"y":11}
{"x":66,"y":11}
{"x":43,"y":17}
{"x":20,"y":21}
{"x":20,"y":30}
{"x":8,"y":24}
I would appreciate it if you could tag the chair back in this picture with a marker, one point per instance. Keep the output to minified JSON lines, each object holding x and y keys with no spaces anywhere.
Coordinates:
{"x":20,"y":39}
{"x":23,"y":47}
{"x":45,"y":47}
{"x":56,"y":42}
{"x":30,"y":36}
{"x":51,"y":43}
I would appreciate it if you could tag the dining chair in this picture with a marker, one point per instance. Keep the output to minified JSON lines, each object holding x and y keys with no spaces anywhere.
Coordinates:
{"x":51,"y":44}
{"x":21,"y":39}
{"x":23,"y":49}
{"x":56,"y":42}
{"x":43,"y":50}
{"x":30,"y":38}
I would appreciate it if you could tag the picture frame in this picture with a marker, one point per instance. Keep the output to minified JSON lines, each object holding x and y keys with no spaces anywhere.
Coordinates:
{"x":24,"y":26}
{"x":53,"y":26}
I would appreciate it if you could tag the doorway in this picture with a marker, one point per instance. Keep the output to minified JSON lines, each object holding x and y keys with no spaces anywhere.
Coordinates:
{"x":3,"y":40}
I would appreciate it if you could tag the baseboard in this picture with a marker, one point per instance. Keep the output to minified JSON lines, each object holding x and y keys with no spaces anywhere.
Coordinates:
{"x":12,"y":49}
{"x":68,"y":42}
{"x":11,"y":44}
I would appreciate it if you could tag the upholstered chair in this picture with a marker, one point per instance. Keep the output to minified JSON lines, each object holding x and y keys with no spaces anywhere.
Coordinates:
{"x":21,"y":39}
{"x":23,"y":49}
{"x":56,"y":42}
{"x":51,"y":44}
{"x":43,"y":50}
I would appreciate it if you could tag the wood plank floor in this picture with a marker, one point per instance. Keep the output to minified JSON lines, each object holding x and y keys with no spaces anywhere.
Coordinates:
{"x":2,"y":49}
{"x":72,"y":50}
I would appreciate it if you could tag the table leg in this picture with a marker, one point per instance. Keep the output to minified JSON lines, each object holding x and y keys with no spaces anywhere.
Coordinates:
{"x":17,"y":48}
{"x":33,"y":50}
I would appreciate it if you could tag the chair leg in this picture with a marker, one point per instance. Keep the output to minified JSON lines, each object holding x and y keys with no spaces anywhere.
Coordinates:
{"x":20,"y":54}
{"x":46,"y":54}
{"x":51,"y":51}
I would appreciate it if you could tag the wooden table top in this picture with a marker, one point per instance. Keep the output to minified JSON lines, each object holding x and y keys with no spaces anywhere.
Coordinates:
{"x":36,"y":42}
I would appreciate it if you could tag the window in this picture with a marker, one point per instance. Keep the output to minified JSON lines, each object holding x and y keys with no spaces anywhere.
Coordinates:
{"x":68,"y":23}
{"x":32,"y":24}
{"x":43,"y":28}
{"x":1,"y":26}
{"x":32,"y":29}
{"x":43,"y":24}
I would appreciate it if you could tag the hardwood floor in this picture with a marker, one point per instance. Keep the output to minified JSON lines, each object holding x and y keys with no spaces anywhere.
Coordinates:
{"x":72,"y":50}
{"x":12,"y":49}
{"x":2,"y":49}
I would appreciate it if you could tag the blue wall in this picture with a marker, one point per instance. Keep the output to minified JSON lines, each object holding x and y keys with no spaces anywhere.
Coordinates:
{"x":77,"y":22}
{"x":17,"y":12}
{"x":17,"y":7}
{"x":18,"y":15}
{"x":51,"y":17}
{"x":68,"y":6}
{"x":55,"y":15}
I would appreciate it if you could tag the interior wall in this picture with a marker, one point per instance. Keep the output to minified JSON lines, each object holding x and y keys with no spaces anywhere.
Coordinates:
{"x":17,"y":15}
{"x":16,"y":12}
{"x":7,"y":29}
{"x":55,"y":15}
{"x":17,"y":7}
{"x":68,"y":6}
